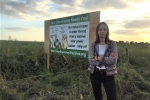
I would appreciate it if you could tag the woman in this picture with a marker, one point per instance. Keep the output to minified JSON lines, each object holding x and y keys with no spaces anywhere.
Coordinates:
{"x":103,"y":58}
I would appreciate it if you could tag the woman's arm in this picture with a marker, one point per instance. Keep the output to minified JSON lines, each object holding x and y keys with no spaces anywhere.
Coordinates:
{"x":101,"y":59}
{"x":92,"y":59}
{"x":112,"y":59}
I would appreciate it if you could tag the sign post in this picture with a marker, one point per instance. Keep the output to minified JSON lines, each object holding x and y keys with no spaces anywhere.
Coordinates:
{"x":71,"y":35}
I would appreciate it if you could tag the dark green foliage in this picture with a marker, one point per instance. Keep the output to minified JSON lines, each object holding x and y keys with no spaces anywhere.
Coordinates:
{"x":63,"y":63}
{"x":68,"y":78}
{"x":63,"y":80}
{"x":21,"y":59}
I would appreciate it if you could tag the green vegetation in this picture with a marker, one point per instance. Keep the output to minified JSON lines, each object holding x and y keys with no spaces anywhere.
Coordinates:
{"x":24,"y":75}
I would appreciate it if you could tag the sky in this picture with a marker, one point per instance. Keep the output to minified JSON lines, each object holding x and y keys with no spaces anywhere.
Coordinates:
{"x":23,"y":20}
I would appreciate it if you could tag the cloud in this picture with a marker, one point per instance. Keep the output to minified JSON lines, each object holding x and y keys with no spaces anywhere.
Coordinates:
{"x":104,"y":4}
{"x":112,"y":22}
{"x":64,"y":2}
{"x":133,"y":32}
{"x":45,"y":9}
{"x":30,"y":9}
{"x":146,"y":16}
{"x":39,"y":9}
{"x":129,"y":32}
{"x":137,"y":1}
{"x":30,"y":35}
{"x":17,"y":28}
{"x":141,"y":35}
{"x":67,"y":10}
{"x":137,"y":24}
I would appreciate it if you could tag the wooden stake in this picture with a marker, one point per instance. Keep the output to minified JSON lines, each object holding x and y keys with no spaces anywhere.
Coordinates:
{"x":48,"y":61}
{"x":127,"y":55}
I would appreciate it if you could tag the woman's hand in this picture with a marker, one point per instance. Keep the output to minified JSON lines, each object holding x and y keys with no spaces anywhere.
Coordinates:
{"x":95,"y":57}
{"x":112,"y":54}
{"x":98,"y":58}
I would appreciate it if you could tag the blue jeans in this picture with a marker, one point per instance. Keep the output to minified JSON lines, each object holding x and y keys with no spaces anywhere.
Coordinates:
{"x":99,"y":78}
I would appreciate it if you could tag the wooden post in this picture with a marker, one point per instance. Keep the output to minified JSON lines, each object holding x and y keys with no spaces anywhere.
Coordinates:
{"x":46,"y":41}
{"x":127,"y":56}
{"x":48,"y":61}
{"x":94,"y":21}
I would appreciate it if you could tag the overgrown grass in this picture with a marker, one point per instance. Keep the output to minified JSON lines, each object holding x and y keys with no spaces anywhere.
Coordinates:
{"x":24,"y":75}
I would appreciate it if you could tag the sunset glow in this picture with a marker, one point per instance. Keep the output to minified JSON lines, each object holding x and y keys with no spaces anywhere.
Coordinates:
{"x":128,"y":20}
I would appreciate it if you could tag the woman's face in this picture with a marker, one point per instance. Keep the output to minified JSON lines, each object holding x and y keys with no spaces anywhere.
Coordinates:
{"x":102,"y":31}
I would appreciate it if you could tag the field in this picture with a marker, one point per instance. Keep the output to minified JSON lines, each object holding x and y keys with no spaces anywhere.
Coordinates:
{"x":24,"y":75}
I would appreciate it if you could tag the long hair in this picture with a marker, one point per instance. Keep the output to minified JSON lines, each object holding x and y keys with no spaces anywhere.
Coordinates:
{"x":97,"y":36}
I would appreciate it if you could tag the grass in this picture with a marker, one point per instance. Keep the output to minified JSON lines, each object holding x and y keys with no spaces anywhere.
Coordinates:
{"x":67,"y":78}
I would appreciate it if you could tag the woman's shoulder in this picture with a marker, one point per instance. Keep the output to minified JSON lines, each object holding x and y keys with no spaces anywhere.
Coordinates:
{"x":93,"y":43}
{"x":112,"y":41}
